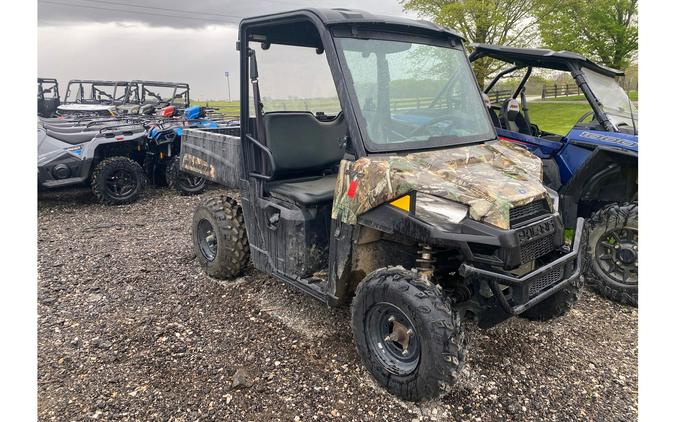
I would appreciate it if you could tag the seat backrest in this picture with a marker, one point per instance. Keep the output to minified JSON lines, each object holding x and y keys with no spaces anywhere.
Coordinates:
{"x":491,"y":112}
{"x":512,"y":119}
{"x":299,"y":142}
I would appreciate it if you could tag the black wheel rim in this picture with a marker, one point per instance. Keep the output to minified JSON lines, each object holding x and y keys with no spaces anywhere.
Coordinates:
{"x":190,"y":182}
{"x":206,"y":237}
{"x":617,"y":255}
{"x":392,"y":338}
{"x":121,"y":184}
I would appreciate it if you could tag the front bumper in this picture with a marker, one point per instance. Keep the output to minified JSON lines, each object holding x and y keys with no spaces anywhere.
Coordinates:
{"x":526,"y":291}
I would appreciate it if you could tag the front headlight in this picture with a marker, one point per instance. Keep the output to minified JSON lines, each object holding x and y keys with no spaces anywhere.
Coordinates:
{"x":438,"y":211}
{"x":555,"y":199}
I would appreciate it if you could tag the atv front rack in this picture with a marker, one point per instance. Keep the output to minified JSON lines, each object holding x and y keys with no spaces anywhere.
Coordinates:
{"x":536,"y":286}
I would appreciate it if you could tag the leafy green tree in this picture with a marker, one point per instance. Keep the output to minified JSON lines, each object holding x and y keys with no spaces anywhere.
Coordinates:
{"x":605,"y":30}
{"x":505,"y":22}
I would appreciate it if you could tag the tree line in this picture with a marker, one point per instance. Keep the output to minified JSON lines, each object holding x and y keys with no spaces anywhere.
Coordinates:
{"x":603,"y":30}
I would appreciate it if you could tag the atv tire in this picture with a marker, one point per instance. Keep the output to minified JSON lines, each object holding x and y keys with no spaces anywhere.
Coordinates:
{"x":556,"y":305}
{"x":184,"y":183}
{"x":611,"y":253}
{"x":117,"y":181}
{"x":407,"y":334}
{"x":219,"y":237}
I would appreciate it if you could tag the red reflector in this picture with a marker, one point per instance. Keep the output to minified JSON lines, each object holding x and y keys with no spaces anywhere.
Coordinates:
{"x":119,"y":138}
{"x":352,"y":188}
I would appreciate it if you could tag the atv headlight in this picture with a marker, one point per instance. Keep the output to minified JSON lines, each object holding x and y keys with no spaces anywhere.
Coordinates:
{"x":438,"y":211}
{"x":555,"y":199}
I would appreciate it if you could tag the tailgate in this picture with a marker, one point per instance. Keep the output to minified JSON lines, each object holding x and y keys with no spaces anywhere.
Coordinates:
{"x":213,"y":154}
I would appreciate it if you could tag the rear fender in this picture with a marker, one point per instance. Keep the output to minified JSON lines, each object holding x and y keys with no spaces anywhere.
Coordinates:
{"x":607,"y":175}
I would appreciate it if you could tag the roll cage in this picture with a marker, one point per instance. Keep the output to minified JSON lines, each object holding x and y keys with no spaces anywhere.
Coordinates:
{"x":530,"y":58}
{"x":48,"y":88}
{"x":317,"y":29}
{"x":100,"y":92}
{"x":144,"y":92}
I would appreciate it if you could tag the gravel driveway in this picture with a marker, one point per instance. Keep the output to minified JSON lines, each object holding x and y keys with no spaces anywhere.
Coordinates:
{"x":129,"y":328}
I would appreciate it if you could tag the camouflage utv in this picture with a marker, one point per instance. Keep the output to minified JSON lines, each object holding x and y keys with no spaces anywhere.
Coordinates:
{"x":402,"y":201}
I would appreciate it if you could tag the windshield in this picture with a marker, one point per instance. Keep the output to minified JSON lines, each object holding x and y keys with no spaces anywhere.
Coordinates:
{"x":413,"y":96}
{"x":95,"y":93}
{"x":613,"y":99}
{"x":155,"y":94}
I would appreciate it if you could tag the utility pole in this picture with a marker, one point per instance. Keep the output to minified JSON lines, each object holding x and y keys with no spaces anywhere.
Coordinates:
{"x":229,"y":97}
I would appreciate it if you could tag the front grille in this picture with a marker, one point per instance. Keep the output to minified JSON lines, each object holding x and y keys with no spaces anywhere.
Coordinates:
{"x":527,"y":212}
{"x":545,"y":280}
{"x":535,"y":249}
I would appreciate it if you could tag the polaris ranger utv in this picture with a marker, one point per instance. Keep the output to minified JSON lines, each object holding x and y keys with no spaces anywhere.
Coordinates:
{"x":48,"y":98}
{"x":418,"y":215}
{"x":594,"y":167}
{"x":94,"y":98}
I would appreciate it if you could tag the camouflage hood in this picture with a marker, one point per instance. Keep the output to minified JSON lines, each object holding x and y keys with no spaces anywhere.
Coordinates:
{"x":490,"y":178}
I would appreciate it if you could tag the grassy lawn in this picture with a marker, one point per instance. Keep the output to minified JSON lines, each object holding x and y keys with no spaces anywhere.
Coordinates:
{"x":556,"y":118}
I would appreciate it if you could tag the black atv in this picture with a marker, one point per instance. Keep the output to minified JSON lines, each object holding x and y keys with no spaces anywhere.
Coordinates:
{"x":416,"y":214}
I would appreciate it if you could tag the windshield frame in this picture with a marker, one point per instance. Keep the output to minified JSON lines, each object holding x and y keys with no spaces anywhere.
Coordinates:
{"x":450,"y":42}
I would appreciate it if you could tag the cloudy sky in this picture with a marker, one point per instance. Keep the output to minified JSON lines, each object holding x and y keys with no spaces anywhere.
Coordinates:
{"x":171,"y":40}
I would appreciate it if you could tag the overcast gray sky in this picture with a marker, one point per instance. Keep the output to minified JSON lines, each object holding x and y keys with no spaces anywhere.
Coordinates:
{"x":171,"y":40}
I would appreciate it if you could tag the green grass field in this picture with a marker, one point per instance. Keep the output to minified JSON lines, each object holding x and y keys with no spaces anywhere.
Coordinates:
{"x":556,"y":117}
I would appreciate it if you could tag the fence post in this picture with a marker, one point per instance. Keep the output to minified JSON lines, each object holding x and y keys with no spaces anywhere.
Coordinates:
{"x":543,"y":92}
{"x":555,"y":90}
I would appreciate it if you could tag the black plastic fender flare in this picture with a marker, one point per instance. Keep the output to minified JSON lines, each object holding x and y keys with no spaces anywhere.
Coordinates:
{"x":603,"y":163}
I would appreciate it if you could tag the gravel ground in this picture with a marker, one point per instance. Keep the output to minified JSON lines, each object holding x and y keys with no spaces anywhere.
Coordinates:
{"x":129,"y":328}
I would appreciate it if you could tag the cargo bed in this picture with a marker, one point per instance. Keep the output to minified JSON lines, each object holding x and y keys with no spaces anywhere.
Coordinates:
{"x":213,"y":154}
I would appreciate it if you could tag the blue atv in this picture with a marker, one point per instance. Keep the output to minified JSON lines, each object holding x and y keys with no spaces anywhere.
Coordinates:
{"x":594,"y":167}
{"x":163,"y":149}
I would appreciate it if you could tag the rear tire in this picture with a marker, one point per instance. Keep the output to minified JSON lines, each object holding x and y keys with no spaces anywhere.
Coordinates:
{"x":219,"y":237}
{"x":117,"y":181}
{"x":183,"y":183}
{"x":612,"y":252}
{"x":427,"y":352}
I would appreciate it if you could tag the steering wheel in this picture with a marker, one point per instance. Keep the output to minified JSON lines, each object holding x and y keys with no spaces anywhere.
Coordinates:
{"x":428,"y":124}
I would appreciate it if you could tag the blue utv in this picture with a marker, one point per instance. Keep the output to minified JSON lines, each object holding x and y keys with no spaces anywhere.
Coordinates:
{"x":594,"y":167}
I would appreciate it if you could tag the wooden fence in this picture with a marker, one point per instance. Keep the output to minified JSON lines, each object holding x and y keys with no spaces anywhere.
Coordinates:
{"x":559,"y":90}
{"x":499,"y":95}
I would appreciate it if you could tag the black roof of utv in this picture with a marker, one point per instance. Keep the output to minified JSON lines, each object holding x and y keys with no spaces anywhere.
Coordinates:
{"x":539,"y":57}
{"x":303,"y":35}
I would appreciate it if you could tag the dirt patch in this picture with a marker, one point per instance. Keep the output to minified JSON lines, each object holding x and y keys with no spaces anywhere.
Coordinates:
{"x":129,"y":328}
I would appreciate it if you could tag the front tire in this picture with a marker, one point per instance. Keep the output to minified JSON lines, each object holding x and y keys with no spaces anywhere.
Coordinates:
{"x":611,"y":264}
{"x":408,"y":336}
{"x":219,"y":237}
{"x":117,"y":181}
{"x":184,"y":183}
